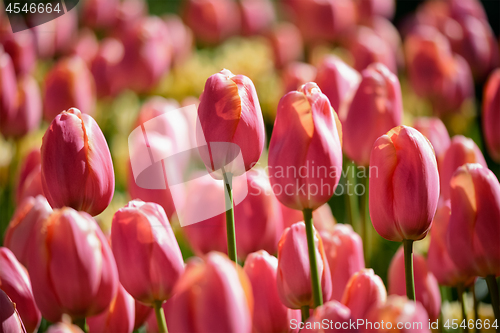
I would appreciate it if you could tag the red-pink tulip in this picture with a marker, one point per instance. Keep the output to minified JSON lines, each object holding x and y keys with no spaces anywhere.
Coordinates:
{"x":181,"y":38}
{"x":147,"y":255}
{"x":15,"y":282}
{"x":85,"y":46}
{"x":142,"y":313}
{"x":286,"y":43}
{"x":30,"y":180}
{"x":344,"y":253}
{"x":426,"y":286}
{"x":216,"y":281}
{"x":68,"y":84}
{"x":256,"y":16}
{"x":21,"y":48}
{"x":77,"y":170}
{"x":19,"y":233}
{"x":462,"y":150}
{"x":64,"y":327}
{"x":129,"y":13}
{"x":304,"y":167}
{"x":229,"y":112}
{"x":74,"y":267}
{"x":294,"y":275}
{"x":9,"y":317}
{"x":118,"y":317}
{"x":338,"y":81}
{"x":295,"y":74}
{"x":375,"y":108}
{"x":473,"y":230}
{"x":371,"y":9}
{"x":100,"y":14}
{"x":105,"y":65}
{"x":364,"y":291}
{"x":329,"y":318}
{"x":386,"y":30}
{"x":404,"y":191}
{"x":435,"y":131}
{"x":491,"y":115}
{"x":8,"y":88}
{"x":322,"y":217}
{"x":270,"y":315}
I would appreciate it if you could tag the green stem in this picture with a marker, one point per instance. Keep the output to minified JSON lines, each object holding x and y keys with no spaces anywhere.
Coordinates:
{"x":305,"y":312}
{"x":82,"y":323}
{"x":460,"y":290}
{"x":160,"y":317}
{"x":351,"y":199}
{"x":410,"y":284}
{"x":491,"y":281}
{"x":367,"y":224}
{"x":316,"y":286}
{"x":230,"y":228}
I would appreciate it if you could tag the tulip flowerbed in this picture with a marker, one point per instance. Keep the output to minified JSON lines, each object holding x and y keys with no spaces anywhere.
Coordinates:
{"x":251,"y":166}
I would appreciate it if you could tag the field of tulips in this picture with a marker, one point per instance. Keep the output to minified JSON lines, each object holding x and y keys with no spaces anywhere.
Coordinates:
{"x":250,"y":166}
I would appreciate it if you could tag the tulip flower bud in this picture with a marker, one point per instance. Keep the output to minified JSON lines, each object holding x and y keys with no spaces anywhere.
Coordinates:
{"x":143,"y":241}
{"x":19,"y":233}
{"x":30,"y":180}
{"x":129,"y":12}
{"x":142,"y":313}
{"x":323,"y":218}
{"x":256,"y":16}
{"x":8,"y":88}
{"x":371,"y":9}
{"x":21,"y":48}
{"x":63,"y":327}
{"x":219,"y":281}
{"x":462,"y":150}
{"x":294,"y":276}
{"x":68,"y":84}
{"x":15,"y":282}
{"x":332,"y":313}
{"x":100,"y":14}
{"x":375,"y":108}
{"x":435,"y":131}
{"x":229,"y":112}
{"x":344,"y":253}
{"x":74,"y":267}
{"x":270,"y":315}
{"x":77,"y":170}
{"x":396,"y":310}
{"x":295,"y":74}
{"x":286,"y":43}
{"x":181,"y":38}
{"x":364,"y":291}
{"x":491,"y":115}
{"x":118,"y":317}
{"x":10,"y":320}
{"x":313,"y":149}
{"x":438,"y":257}
{"x":404,"y":192}
{"x":426,"y":286}
{"x":104,"y":66}
{"x":338,"y":81}
{"x":473,"y":230}
{"x":85,"y":46}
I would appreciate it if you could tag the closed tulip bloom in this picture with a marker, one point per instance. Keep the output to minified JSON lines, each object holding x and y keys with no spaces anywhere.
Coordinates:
{"x":370,"y":9}
{"x":9,"y":317}
{"x":64,"y":327}
{"x":294,"y":274}
{"x":104,"y":66}
{"x":270,"y":315}
{"x":143,"y":241}
{"x":286,"y":43}
{"x":229,"y":112}
{"x":214,"y":281}
{"x":77,"y":170}
{"x":435,"y":131}
{"x":8,"y":88}
{"x":295,"y":74}
{"x":15,"y":282}
{"x":100,"y":14}
{"x":333,"y":313}
{"x":473,"y":230}
{"x":85,"y":46}
{"x":338,"y":81}
{"x":129,"y":12}
{"x":462,"y":150}
{"x":491,"y":115}
{"x":19,"y":233}
{"x":307,"y":136}
{"x":344,"y":253}
{"x":256,"y":16}
{"x":181,"y":38}
{"x":404,"y":193}
{"x":21,"y":48}
{"x":375,"y":108}
{"x":118,"y":317}
{"x":74,"y":266}
{"x":426,"y":286}
{"x":364,"y":291}
{"x":30,"y":177}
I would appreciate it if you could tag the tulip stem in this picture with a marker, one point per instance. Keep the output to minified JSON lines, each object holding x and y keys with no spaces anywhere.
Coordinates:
{"x":410,"y":283}
{"x":82,"y":323}
{"x":367,"y":224}
{"x":476,"y":305}
{"x":460,"y":290}
{"x":316,"y":286}
{"x":305,"y":312}
{"x":352,"y":199}
{"x":491,"y":281}
{"x":230,"y":228}
{"x":160,"y":317}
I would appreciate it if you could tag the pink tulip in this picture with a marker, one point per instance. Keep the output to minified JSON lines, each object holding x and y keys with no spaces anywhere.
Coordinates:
{"x":398,"y":310}
{"x":315,"y":146}
{"x":375,"y":108}
{"x":256,"y":16}
{"x":404,"y":191}
{"x":338,"y":81}
{"x":128,"y":14}
{"x":229,"y":112}
{"x":270,"y":315}
{"x":371,"y":9}
{"x":364,"y":291}
{"x":9,"y":317}
{"x":74,"y":267}
{"x":21,"y":48}
{"x":85,"y":46}
{"x":473,"y":230}
{"x":181,"y":38}
{"x":15,"y":282}
{"x":77,"y":170}
{"x":118,"y":317}
{"x":426,"y":286}
{"x":323,"y":218}
{"x":286,"y":43}
{"x":143,"y":241}
{"x":100,"y":13}
{"x":336,"y":316}
{"x":63,"y":327}
{"x":8,"y":88}
{"x":438,"y":257}
{"x":491,"y":115}
{"x":386,"y":30}
{"x":295,"y":74}
{"x":142,"y":313}
{"x":344,"y":253}
{"x":435,"y":131}
{"x":462,"y":150}
{"x":19,"y":233}
{"x":30,"y":181}
{"x":216,"y":281}
{"x":294,"y":275}
{"x":68,"y":84}
{"x":104,"y":66}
